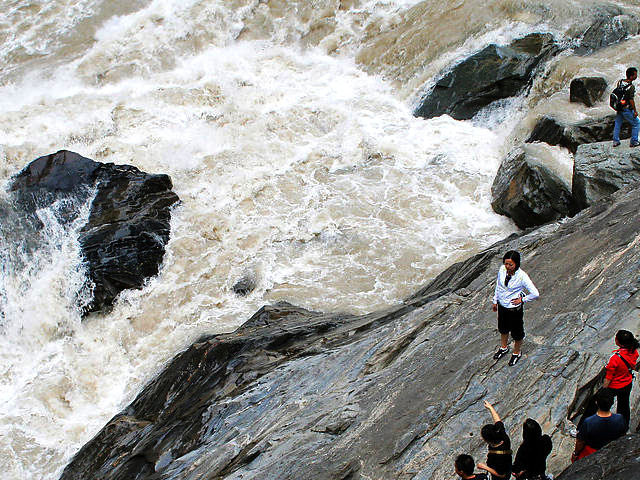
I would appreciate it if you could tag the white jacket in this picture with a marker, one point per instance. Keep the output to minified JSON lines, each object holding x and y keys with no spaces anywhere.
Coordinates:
{"x":520,"y":285}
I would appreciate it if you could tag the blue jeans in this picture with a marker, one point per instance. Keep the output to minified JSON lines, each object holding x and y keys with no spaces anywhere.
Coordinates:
{"x":626,"y":114}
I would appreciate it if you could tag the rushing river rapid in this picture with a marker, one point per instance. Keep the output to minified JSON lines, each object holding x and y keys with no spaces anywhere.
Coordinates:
{"x":287,"y":129}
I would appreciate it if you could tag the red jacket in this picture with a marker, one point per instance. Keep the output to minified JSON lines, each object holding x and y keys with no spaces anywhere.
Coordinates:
{"x":617,"y":371}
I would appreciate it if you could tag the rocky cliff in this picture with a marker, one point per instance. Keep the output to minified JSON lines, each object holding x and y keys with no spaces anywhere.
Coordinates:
{"x":393,"y":394}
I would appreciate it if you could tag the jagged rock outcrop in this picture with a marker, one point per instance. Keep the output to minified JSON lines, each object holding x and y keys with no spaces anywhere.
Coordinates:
{"x":393,"y":394}
{"x":587,"y":90}
{"x":530,"y":193}
{"x":571,"y":136}
{"x":620,"y":460}
{"x":496,"y":72}
{"x":599,"y":169}
{"x":124,"y":239}
{"x":612,"y":25}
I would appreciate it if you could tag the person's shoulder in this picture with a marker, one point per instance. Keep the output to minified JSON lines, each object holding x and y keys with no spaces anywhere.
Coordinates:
{"x":618,"y":419}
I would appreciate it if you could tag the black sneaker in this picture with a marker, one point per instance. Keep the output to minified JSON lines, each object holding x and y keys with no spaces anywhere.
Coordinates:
{"x":634,"y":144}
{"x":514,"y":359}
{"x":500,"y":353}
{"x":616,"y":144}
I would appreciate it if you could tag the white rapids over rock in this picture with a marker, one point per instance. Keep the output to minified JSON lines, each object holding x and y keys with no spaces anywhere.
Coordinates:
{"x":291,"y":142}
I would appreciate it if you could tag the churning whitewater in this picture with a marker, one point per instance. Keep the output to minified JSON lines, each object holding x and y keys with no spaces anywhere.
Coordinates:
{"x":287,"y":129}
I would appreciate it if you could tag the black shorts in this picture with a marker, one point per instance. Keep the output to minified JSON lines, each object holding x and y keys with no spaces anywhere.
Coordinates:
{"x":510,"y":320}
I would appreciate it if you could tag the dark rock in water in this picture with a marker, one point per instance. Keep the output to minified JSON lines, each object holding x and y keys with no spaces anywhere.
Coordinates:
{"x":124,"y":239}
{"x":530,"y":193}
{"x":394,"y":394}
{"x":244,"y":286}
{"x":611,"y":26}
{"x":587,"y":90}
{"x":494,"y":73}
{"x":571,"y":136}
{"x":599,"y":169}
{"x":620,"y":460}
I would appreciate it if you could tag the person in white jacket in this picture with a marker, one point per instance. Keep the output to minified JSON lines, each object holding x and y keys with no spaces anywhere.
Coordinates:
{"x":513,"y":289}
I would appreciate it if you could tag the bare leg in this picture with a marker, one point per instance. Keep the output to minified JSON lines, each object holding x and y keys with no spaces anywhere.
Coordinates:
{"x":516,"y":347}
{"x":504,"y":338}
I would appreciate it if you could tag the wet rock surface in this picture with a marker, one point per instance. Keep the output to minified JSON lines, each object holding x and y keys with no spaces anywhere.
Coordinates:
{"x":393,"y":394}
{"x":495,"y":73}
{"x":571,"y":136}
{"x":124,"y":239}
{"x":587,"y":90}
{"x":530,"y":193}
{"x":612,"y":25}
{"x":620,"y":460}
{"x":599,"y":169}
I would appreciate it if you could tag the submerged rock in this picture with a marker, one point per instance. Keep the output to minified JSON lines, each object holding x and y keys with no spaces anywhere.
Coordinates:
{"x":492,"y":74}
{"x":599,"y":169}
{"x":244,"y":286}
{"x":530,"y":193}
{"x":587,"y":90}
{"x":396,"y":393}
{"x":571,"y":136}
{"x":124,"y":239}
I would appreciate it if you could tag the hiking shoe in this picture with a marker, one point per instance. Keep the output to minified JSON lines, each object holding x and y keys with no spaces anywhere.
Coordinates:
{"x":634,"y":144}
{"x":616,"y":144}
{"x":500,"y":353}
{"x":514,"y":359}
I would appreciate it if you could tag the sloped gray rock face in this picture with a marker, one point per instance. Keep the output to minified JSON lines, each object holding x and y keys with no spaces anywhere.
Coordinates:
{"x":571,"y":136}
{"x":587,"y":90}
{"x":124,"y":239}
{"x":599,"y":169}
{"x":492,"y":74}
{"x":395,"y":394}
{"x":620,"y":460}
{"x":612,"y":25}
{"x":530,"y":193}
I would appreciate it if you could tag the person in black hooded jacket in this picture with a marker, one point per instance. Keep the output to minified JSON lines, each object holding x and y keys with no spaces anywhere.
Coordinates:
{"x":531,"y":459}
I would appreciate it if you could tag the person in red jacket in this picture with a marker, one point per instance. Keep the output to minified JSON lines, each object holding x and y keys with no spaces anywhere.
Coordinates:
{"x":619,"y":378}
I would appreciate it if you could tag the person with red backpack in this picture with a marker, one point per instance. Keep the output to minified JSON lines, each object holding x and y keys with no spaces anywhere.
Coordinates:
{"x":623,"y":103}
{"x":619,"y":375}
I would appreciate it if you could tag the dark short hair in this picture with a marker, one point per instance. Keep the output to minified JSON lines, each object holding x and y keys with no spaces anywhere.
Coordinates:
{"x":465,"y":464}
{"x":627,"y":340}
{"x":512,"y":255}
{"x":531,"y":430}
{"x":489,"y":433}
{"x":604,"y":399}
{"x":631,"y":71}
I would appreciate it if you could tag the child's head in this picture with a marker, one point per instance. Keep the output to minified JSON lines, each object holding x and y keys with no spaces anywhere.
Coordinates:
{"x":627,"y":340}
{"x":464,"y":464}
{"x":491,"y":434}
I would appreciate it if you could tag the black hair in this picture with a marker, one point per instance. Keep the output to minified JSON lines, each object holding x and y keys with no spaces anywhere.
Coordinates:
{"x":531,"y":431}
{"x":626,"y":340}
{"x":512,"y":255}
{"x":604,"y":399}
{"x":490,"y":434}
{"x":631,"y":71}
{"x":465,"y":464}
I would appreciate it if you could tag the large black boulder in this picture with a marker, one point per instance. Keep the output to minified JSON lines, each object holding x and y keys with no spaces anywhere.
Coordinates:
{"x":587,"y":90}
{"x":124,"y":239}
{"x":496,"y":72}
{"x":572,"y":135}
{"x":529,"y":192}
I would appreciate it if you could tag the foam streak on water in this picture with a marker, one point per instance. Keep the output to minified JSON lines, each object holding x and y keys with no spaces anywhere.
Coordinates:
{"x":295,"y":164}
